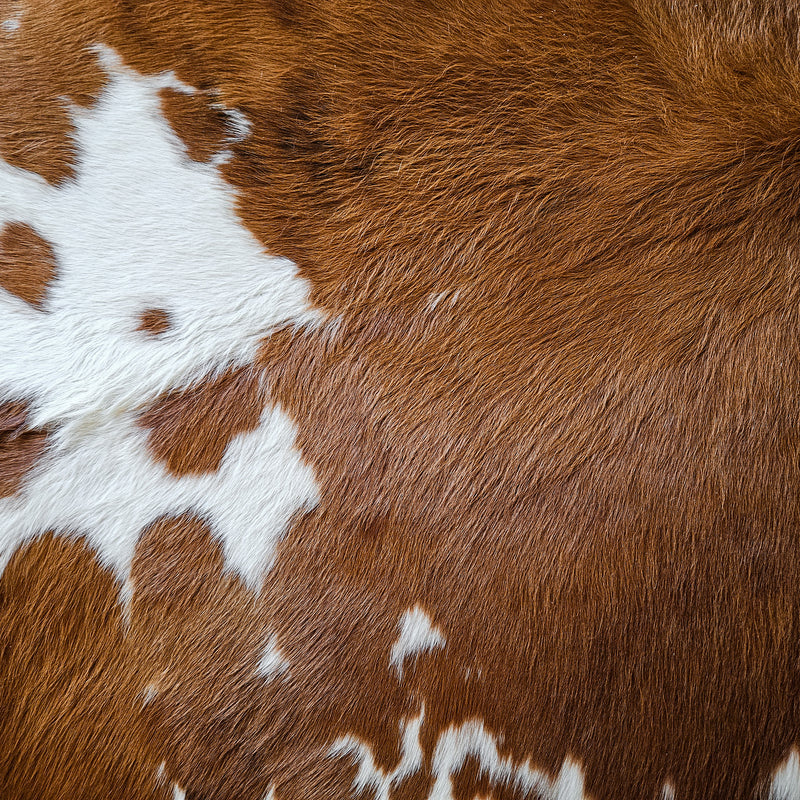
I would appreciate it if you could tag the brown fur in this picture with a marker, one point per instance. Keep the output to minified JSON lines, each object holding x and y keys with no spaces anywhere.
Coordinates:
{"x":27,"y":263}
{"x":154,"y":321}
{"x":202,"y":129}
{"x":190,"y":430}
{"x":43,"y":62}
{"x":581,"y":461}
{"x":73,"y":730}
{"x":20,"y":447}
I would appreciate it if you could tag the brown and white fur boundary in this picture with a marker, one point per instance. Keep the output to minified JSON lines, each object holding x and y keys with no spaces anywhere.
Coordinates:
{"x":399,"y":400}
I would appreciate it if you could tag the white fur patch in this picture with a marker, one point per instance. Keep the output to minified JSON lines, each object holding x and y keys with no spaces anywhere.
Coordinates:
{"x":668,"y":791}
{"x":457,"y":743}
{"x":272,"y":662}
{"x":149,"y":694}
{"x":161,"y":778}
{"x":434,"y":299}
{"x":786,"y":780}
{"x":417,"y":635}
{"x":453,"y":747}
{"x":107,"y":487}
{"x":371,"y":777}
{"x":12,"y":24}
{"x":142,"y":226}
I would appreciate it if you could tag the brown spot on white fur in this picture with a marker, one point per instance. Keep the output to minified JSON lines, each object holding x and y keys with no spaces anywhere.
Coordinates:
{"x":27,"y":263}
{"x":154,"y":321}
{"x":20,"y":447}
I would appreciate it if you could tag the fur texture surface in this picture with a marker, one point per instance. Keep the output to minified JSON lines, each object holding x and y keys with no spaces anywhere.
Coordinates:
{"x":399,"y":400}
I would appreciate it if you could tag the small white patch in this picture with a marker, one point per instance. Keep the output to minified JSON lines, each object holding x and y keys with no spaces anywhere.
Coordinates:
{"x":239,"y":124}
{"x":272,"y":662}
{"x":417,"y":636}
{"x":271,"y":794}
{"x":148,"y":695}
{"x":786,"y":780}
{"x":458,"y":743}
{"x":369,"y":775}
{"x":161,"y":771}
{"x":177,"y":792}
{"x":141,"y":226}
{"x":569,"y":783}
{"x":13,"y":23}
{"x":668,"y":791}
{"x":437,"y":298}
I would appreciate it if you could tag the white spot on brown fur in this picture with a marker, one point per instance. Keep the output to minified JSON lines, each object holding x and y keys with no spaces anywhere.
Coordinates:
{"x":272,"y":662}
{"x":12,"y":24}
{"x":149,"y":694}
{"x":450,"y":297}
{"x":417,"y":636}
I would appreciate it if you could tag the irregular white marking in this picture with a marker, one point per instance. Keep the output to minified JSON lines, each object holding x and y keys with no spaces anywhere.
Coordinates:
{"x":786,"y":779}
{"x":272,"y":662}
{"x":435,"y":299}
{"x":417,"y":636}
{"x":458,"y":743}
{"x":668,"y":791}
{"x":161,"y":773}
{"x":126,"y":591}
{"x":271,"y":794}
{"x":569,"y":783}
{"x":453,"y":747}
{"x":370,"y":775}
{"x":148,"y":695}
{"x":13,"y":23}
{"x":240,"y":125}
{"x":138,"y":228}
{"x":141,"y":226}
{"x":478,"y":672}
{"x":109,"y":488}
